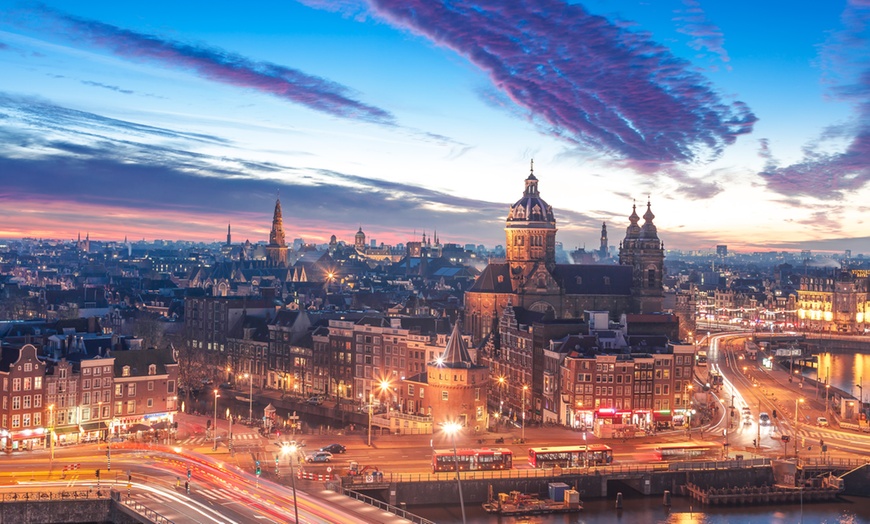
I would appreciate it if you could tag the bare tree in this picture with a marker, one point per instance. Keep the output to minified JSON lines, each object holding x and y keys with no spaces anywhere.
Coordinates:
{"x":193,"y":366}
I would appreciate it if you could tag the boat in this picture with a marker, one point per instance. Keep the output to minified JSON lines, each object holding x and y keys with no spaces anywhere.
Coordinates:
{"x":516,"y":504}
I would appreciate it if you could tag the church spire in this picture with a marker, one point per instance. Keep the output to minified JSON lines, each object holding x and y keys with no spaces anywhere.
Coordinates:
{"x":276,"y":236}
{"x":229,"y":236}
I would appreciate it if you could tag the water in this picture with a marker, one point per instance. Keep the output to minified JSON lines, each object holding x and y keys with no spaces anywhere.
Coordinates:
{"x":649,"y":510}
{"x":846,"y":372}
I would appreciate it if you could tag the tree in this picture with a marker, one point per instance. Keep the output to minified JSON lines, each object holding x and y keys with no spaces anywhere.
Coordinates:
{"x":149,"y":328}
{"x":193,"y":366}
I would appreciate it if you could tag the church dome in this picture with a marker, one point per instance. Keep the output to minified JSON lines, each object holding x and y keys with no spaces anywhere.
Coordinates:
{"x":531,"y":207}
{"x":649,"y":230}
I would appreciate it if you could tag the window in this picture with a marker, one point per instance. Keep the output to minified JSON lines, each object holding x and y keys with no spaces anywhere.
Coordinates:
{"x":131,"y":390}
{"x":86,"y":383}
{"x":150,"y":403}
{"x":86,"y":414}
{"x":25,"y":420}
{"x":119,"y":407}
{"x":37,"y":419}
{"x":410,"y":390}
{"x":28,"y":381}
{"x":26,"y":404}
{"x":152,"y":369}
{"x":170,"y":386}
{"x":150,"y":385}
{"x":119,"y":390}
{"x":443,"y":395}
{"x":16,"y":402}
{"x":131,"y":406}
{"x":86,"y":398}
{"x":16,"y":421}
{"x":37,"y":401}
{"x":97,"y":371}
{"x":125,"y":371}
{"x":37,"y":382}
{"x":28,"y":367}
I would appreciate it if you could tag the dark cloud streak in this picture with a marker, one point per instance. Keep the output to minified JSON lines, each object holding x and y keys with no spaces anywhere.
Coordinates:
{"x":221,"y":66}
{"x":823,"y":174}
{"x":583,"y":78}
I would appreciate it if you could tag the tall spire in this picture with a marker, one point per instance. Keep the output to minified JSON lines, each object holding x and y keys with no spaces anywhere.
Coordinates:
{"x":456,"y":353}
{"x":229,"y":236}
{"x":276,"y":236}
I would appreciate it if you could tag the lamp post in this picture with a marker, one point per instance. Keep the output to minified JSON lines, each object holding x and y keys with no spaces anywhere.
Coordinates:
{"x":797,"y":403}
{"x":214,"y":448}
{"x":585,"y":453}
{"x":501,"y":380}
{"x":51,"y":436}
{"x":451,"y":428}
{"x":250,"y":396}
{"x":523,"y":437}
{"x":371,"y":398}
{"x":290,"y":451}
{"x":827,"y":391}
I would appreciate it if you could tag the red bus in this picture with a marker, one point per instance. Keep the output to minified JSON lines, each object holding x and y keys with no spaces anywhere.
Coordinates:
{"x":472,"y":459}
{"x":570,"y":456}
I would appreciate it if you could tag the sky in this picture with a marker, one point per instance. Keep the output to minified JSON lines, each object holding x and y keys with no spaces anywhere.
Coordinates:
{"x":741,"y":123}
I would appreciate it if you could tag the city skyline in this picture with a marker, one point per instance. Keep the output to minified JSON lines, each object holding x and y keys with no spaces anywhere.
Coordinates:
{"x":167,"y":121}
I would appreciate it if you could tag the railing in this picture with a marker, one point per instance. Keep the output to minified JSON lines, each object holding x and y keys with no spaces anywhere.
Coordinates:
{"x":146,"y":512}
{"x":399,"y":512}
{"x":621,"y":469}
{"x":832,"y":463}
{"x":65,"y":495}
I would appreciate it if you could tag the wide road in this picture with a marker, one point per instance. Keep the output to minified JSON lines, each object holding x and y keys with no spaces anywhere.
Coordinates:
{"x":218,"y":492}
{"x":770,"y":391}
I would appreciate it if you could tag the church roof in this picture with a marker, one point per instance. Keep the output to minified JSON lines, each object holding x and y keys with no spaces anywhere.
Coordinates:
{"x":489,"y":281}
{"x":594,"y":279}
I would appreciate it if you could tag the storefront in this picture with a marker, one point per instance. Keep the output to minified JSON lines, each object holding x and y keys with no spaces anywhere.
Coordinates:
{"x":92,"y":432}
{"x":663,"y":419}
{"x":66,"y":435}
{"x":23,"y":440}
{"x":613,"y":423}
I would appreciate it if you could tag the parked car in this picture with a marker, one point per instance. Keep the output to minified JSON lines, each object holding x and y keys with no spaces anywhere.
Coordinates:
{"x":334,"y":448}
{"x":822,"y":422}
{"x":316,"y":401}
{"x":319,"y":456}
{"x":764,"y":419}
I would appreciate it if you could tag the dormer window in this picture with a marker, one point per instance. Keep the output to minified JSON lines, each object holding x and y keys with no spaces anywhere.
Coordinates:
{"x":125,"y":371}
{"x":152,"y":369}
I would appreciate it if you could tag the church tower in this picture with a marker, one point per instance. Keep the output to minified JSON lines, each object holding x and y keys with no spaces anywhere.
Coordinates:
{"x":645,"y":253}
{"x":602,"y":251}
{"x":276,"y":250}
{"x":530,"y":233}
{"x":359,"y":241}
{"x":229,"y":236}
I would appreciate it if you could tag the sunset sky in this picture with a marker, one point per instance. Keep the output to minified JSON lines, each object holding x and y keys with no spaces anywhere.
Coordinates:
{"x":745,"y":123}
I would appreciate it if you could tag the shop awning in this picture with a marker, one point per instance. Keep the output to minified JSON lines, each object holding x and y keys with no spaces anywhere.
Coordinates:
{"x":93,"y":426}
{"x":662,"y":415}
{"x":66,"y":430}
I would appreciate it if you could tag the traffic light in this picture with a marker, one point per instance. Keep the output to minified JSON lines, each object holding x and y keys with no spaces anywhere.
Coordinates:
{"x":754,"y":443}
{"x":258,"y":468}
{"x":188,"y":473}
{"x":207,"y":423}
{"x":98,"y":474}
{"x":774,"y":413}
{"x":129,"y":477}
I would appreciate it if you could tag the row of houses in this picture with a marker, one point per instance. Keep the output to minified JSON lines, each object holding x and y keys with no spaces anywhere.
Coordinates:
{"x":57,"y":395}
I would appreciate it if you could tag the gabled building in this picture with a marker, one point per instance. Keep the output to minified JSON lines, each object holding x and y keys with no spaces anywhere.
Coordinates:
{"x":22,"y":373}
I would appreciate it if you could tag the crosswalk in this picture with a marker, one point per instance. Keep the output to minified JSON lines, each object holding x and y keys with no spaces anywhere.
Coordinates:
{"x":148,"y":498}
{"x":237,"y":438}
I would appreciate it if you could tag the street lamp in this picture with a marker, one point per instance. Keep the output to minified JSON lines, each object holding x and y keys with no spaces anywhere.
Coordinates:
{"x":797,"y":403}
{"x":214,"y":448}
{"x":451,"y":428}
{"x":523,"y":437}
{"x":250,"y":396}
{"x":290,"y":450}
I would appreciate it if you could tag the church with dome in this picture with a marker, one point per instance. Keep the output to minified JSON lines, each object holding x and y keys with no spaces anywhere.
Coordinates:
{"x":530,"y":278}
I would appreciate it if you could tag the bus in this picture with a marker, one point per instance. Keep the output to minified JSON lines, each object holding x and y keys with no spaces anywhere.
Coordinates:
{"x":472,"y":459}
{"x":570,"y":456}
{"x":714,"y":378}
{"x":688,"y":451}
{"x":701,"y":358}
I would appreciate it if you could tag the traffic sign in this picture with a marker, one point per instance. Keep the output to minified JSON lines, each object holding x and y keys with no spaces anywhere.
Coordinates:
{"x":329,"y":469}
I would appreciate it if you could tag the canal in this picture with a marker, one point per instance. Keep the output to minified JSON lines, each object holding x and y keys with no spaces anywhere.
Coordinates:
{"x":845,"y":370}
{"x":649,"y":510}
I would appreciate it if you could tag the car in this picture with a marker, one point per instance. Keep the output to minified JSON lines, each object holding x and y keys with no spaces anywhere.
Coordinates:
{"x":334,"y":448}
{"x":822,"y":422}
{"x":764,"y":419}
{"x":319,"y":456}
{"x":315,"y":401}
